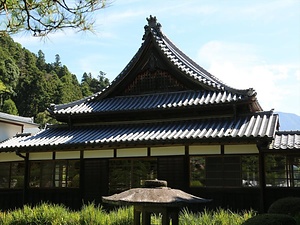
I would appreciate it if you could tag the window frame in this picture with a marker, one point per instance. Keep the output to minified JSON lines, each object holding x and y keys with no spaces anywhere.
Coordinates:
{"x":10,"y":175}
{"x":254,"y":183}
{"x":55,"y":180}
{"x":280,"y":173}
{"x":116,"y":188}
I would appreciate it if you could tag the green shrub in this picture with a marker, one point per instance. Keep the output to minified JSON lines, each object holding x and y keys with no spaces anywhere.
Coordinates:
{"x":271,"y":219}
{"x":46,"y":214}
{"x":51,"y":214}
{"x":91,"y":214}
{"x":217,"y":217}
{"x":289,"y":206}
{"x":297,"y":218}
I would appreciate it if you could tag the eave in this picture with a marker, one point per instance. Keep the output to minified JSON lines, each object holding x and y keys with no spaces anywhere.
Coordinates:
{"x":247,"y":128}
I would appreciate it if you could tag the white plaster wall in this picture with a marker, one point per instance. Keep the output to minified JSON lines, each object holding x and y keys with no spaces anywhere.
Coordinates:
{"x":9,"y":130}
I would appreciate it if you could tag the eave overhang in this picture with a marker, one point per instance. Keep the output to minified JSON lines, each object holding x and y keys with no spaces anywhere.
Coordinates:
{"x":248,"y":128}
{"x":162,"y":103}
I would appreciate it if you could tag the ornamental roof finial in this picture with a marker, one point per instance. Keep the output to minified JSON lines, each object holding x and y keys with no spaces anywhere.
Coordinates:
{"x":153,"y":25}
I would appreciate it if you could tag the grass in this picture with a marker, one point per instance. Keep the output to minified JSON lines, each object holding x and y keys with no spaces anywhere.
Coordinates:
{"x":218,"y":217}
{"x":52,"y":214}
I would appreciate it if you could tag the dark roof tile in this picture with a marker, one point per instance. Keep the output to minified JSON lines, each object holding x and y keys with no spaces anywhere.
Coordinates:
{"x":152,"y":102}
{"x":258,"y":126}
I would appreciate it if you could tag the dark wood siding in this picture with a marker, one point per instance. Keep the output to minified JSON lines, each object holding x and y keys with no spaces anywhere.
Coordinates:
{"x":10,"y":199}
{"x":95,"y":183}
{"x":70,"y":197}
{"x":173,"y":170}
{"x":231,"y":198}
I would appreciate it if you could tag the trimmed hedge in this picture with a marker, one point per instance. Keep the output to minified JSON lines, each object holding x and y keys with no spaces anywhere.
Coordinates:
{"x":289,"y":206}
{"x":271,"y":219}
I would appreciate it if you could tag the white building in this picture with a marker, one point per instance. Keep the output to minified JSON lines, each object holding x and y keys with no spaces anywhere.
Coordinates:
{"x":11,"y":125}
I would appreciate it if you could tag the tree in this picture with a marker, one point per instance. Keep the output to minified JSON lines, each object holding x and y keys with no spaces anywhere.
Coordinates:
{"x":95,"y":85}
{"x":3,"y":91}
{"x":40,"y":61}
{"x":41,"y":17}
{"x":10,"y":107}
{"x":44,"y":118}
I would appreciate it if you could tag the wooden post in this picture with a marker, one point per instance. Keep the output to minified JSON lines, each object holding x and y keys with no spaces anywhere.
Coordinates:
{"x":26,"y":180}
{"x":262,"y":181}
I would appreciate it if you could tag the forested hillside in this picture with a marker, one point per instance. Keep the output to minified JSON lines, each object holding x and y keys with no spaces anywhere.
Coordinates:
{"x":29,"y":84}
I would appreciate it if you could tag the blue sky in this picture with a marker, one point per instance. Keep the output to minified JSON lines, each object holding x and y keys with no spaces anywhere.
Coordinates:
{"x":245,"y":43}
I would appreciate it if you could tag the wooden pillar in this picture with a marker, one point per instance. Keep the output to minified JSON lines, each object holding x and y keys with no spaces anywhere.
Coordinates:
{"x":262,"y":181}
{"x":186,"y":168}
{"x":26,"y":180}
{"x":81,"y":176}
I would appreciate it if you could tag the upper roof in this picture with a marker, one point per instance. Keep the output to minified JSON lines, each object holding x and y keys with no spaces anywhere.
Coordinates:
{"x":157,"y":67}
{"x":155,"y":101}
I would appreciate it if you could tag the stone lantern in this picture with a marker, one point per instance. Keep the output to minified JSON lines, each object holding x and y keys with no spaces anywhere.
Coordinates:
{"x":155,"y":197}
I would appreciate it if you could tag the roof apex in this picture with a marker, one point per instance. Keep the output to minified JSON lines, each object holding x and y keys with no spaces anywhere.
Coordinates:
{"x":152,"y":25}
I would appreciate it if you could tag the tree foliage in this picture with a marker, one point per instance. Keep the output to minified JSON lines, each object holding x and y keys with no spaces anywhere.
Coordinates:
{"x":28,"y":84}
{"x":42,"y":17}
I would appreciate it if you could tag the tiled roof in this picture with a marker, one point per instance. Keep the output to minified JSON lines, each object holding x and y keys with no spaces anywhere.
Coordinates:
{"x":190,"y":70}
{"x":17,"y":119}
{"x":286,"y":140}
{"x":151,"y":102}
{"x":181,"y":61}
{"x":256,"y":126}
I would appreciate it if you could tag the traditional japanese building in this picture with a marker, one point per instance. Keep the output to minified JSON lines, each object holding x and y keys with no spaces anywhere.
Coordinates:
{"x":162,"y":117}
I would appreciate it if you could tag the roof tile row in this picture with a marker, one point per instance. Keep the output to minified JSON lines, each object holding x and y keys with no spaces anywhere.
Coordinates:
{"x":287,"y":140}
{"x":151,"y":102}
{"x":258,"y":125}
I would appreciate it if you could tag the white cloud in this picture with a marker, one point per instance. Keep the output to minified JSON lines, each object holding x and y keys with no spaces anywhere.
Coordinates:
{"x":240,"y":66}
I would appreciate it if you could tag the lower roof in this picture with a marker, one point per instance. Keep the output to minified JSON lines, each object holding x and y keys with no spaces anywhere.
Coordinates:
{"x":259,"y":125}
{"x":286,"y":140}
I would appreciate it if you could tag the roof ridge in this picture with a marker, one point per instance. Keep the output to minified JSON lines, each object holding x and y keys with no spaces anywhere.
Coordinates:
{"x":176,"y":92}
{"x":211,"y":77}
{"x":280,"y":132}
{"x":160,"y":36}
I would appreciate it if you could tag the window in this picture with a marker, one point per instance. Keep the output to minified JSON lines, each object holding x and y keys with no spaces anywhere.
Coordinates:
{"x":282,"y":171}
{"x":12,"y":175}
{"x":130,"y":173}
{"x":223,"y":171}
{"x":58,"y":174}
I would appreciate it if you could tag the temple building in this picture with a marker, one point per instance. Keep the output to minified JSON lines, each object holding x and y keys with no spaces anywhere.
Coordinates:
{"x":163,"y":117}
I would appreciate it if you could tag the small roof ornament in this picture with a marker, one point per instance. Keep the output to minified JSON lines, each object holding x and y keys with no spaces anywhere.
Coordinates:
{"x":153,"y":25}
